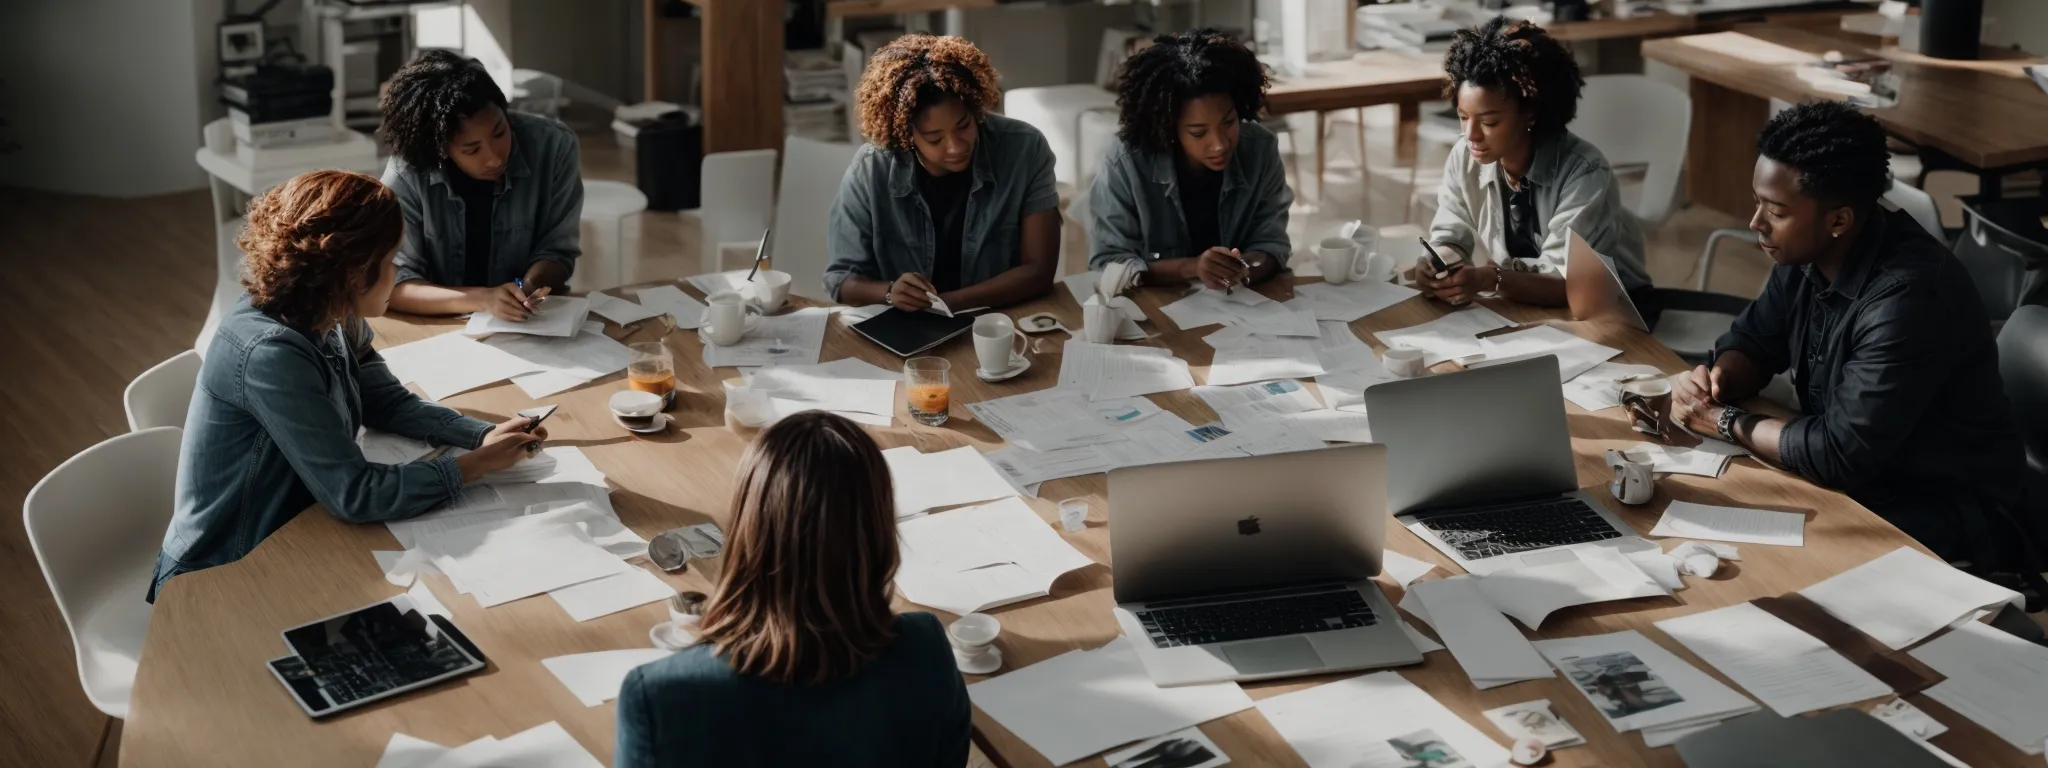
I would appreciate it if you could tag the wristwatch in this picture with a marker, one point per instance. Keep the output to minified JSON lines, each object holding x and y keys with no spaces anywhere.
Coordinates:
{"x":1730,"y":418}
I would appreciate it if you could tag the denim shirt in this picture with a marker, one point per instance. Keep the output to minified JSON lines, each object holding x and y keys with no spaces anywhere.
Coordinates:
{"x":906,"y":709}
{"x":1575,"y":191}
{"x":880,"y":227}
{"x":537,"y":217}
{"x":1135,"y":202}
{"x":272,"y":430}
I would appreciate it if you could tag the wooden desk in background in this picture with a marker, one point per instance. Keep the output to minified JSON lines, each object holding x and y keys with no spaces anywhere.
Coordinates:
{"x":204,"y":698}
{"x":1982,"y":116}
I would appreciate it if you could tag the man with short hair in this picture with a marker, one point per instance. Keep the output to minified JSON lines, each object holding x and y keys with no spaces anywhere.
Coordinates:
{"x":1888,"y":346}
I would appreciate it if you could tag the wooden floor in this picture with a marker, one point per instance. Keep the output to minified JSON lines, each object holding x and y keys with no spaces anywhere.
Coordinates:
{"x":95,"y":291}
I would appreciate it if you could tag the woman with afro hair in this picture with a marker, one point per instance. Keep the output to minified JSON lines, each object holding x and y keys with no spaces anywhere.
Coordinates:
{"x":947,"y":200}
{"x":1517,"y":183}
{"x":1193,"y":189}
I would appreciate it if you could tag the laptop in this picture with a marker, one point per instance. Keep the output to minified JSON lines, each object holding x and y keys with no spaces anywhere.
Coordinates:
{"x":1593,"y":290}
{"x":1255,"y":567}
{"x":1481,"y":467}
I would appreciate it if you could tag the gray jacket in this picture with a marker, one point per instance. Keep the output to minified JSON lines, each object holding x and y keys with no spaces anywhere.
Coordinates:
{"x":272,"y":429}
{"x":880,"y":227}
{"x":1574,"y":189}
{"x":1135,"y":202}
{"x":537,"y":217}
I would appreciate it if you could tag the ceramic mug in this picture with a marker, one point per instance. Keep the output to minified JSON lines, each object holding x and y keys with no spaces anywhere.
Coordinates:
{"x":728,"y":315}
{"x":998,"y":343}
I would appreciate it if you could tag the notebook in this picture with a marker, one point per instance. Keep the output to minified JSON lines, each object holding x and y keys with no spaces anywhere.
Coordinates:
{"x":910,"y":333}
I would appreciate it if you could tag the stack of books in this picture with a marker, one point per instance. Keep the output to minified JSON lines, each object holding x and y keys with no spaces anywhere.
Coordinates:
{"x":283,"y":117}
{"x":814,"y":95}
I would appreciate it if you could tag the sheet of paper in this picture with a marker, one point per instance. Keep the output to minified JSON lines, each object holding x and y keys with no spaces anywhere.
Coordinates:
{"x":1421,"y":641}
{"x":1685,"y":519}
{"x":565,"y":362}
{"x":1904,"y":597}
{"x":789,"y":339}
{"x":1636,"y":684}
{"x":1267,"y":357}
{"x":1081,"y":285}
{"x":387,"y":448}
{"x":557,"y":316}
{"x":1905,"y":718}
{"x":1446,"y":338}
{"x":1338,"y":349}
{"x":1114,"y":372}
{"x":603,"y":597}
{"x":686,"y":312}
{"x":1535,"y":720}
{"x":1273,"y":397}
{"x":927,"y":481}
{"x":1664,"y":737}
{"x":1574,"y":355}
{"x":619,"y":310}
{"x":1995,"y":679}
{"x":1531,"y":593}
{"x":713,"y":282}
{"x":1491,"y":651}
{"x":553,"y":464}
{"x":1790,"y":671}
{"x":452,"y":363}
{"x":1378,"y":720}
{"x":542,"y":746}
{"x":982,"y":557}
{"x":1293,"y":318}
{"x":404,"y":751}
{"x":1198,"y":309}
{"x":594,"y":678}
{"x":424,"y":599}
{"x":1333,"y":426}
{"x":1346,"y":389}
{"x":1354,"y":300}
{"x":819,"y":388}
{"x":1676,"y":460}
{"x":1404,"y":570}
{"x":1164,"y":438}
{"x":1018,"y":417}
{"x":1600,"y":386}
{"x":1028,"y":468}
{"x":1082,"y":702}
{"x":507,"y":562}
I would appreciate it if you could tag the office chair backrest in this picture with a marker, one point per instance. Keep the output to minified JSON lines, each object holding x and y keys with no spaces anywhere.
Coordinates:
{"x":2023,"y":365}
{"x":811,"y":171}
{"x":737,"y":199}
{"x":1917,"y":204}
{"x":1636,"y":120}
{"x":160,"y":396}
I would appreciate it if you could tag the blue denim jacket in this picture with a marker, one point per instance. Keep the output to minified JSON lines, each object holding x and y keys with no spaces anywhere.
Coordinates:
{"x":1575,"y":190}
{"x":880,"y":227}
{"x":1136,"y":203}
{"x":272,"y":430}
{"x":906,"y":709}
{"x":538,"y":214}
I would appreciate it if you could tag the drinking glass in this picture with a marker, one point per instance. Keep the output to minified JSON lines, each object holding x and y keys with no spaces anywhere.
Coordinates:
{"x":927,"y":384}
{"x":650,"y":368}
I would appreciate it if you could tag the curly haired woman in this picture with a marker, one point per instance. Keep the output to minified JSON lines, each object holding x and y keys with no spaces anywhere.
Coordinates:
{"x":946,"y":200}
{"x":1193,"y":190}
{"x":290,"y":377}
{"x":1518,"y":181}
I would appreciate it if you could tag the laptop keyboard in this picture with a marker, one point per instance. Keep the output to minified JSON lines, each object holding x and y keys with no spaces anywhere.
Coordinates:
{"x":1252,"y":619}
{"x":1508,"y":530}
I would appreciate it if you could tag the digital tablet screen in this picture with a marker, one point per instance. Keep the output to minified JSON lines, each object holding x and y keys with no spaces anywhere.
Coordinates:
{"x":368,"y":654}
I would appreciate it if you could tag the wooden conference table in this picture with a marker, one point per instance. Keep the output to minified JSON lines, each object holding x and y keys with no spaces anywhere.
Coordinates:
{"x":204,"y":698}
{"x":1982,"y":116}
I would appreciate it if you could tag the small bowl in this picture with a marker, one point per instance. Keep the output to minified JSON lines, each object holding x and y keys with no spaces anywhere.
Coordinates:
{"x":974,"y":630}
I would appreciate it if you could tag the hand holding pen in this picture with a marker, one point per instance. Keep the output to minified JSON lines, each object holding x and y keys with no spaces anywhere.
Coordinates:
{"x":1223,"y":269}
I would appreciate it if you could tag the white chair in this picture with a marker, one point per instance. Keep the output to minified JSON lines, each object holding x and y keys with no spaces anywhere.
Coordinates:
{"x":611,"y":202}
{"x":811,"y":171}
{"x":1635,"y":120}
{"x":96,"y":523}
{"x":160,"y":396}
{"x":1056,"y":110}
{"x":738,"y":200}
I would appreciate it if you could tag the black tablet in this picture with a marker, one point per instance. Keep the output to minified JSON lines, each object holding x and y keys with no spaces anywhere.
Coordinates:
{"x":371,"y":653}
{"x":910,"y":333}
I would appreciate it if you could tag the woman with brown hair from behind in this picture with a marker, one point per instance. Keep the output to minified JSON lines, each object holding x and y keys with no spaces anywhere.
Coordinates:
{"x":800,"y":661}
{"x":290,"y":377}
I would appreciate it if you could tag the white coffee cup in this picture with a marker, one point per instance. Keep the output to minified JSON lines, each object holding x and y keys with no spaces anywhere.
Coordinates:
{"x":728,"y":315}
{"x":1379,"y":267}
{"x":769,"y":290}
{"x":1099,"y":323}
{"x":997,"y":343}
{"x":1338,"y":257}
{"x":1405,"y":362}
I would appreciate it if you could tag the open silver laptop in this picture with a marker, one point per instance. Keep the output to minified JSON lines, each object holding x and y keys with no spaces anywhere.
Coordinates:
{"x":1251,"y":568}
{"x":1593,"y":290}
{"x":1480,"y":466}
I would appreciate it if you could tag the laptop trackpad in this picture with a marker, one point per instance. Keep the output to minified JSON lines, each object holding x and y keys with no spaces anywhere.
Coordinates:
{"x":1284,"y":654}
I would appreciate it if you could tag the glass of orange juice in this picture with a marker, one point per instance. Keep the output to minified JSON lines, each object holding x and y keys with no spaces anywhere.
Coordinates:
{"x":927,"y":384}
{"x":650,"y":368}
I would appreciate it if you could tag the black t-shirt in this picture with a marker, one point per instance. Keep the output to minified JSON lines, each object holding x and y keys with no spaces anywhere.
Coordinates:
{"x":946,"y":196}
{"x":1199,"y":189}
{"x":477,"y":202}
{"x":1523,"y":233}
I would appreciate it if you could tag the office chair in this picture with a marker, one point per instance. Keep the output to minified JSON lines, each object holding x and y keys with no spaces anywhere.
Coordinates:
{"x":160,"y":396}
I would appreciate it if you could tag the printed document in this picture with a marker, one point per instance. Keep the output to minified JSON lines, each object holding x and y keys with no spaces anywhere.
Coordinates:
{"x":1685,"y":519}
{"x":977,"y":558}
{"x":1600,"y":386}
{"x":1905,"y":597}
{"x":1353,"y":300}
{"x":790,"y":339}
{"x":1637,"y":685}
{"x":1491,"y":651}
{"x":1114,"y":372}
{"x":1378,"y":720}
{"x":557,"y":316}
{"x":687,"y":313}
{"x":1449,"y":337}
{"x":927,"y":481}
{"x":1995,"y":679}
{"x":1082,"y":702}
{"x":619,"y":310}
{"x":1598,"y":574}
{"x":452,"y":363}
{"x":1791,"y":671}
{"x":1574,"y":355}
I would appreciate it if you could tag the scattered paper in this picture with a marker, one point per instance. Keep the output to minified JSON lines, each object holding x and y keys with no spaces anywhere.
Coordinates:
{"x":594,"y":678}
{"x":1490,"y":650}
{"x":1338,"y":349}
{"x":1421,"y":641}
{"x":404,"y":751}
{"x":1187,"y":748}
{"x":1449,"y":337}
{"x":1905,"y":596}
{"x":504,"y":561}
{"x":1346,"y":389}
{"x":1791,"y":671}
{"x":424,"y":599}
{"x":818,"y":387}
{"x":1263,"y":358}
{"x":794,"y":338}
{"x":619,"y":310}
{"x":556,"y":316}
{"x":1679,"y":461}
{"x":1637,"y":685}
{"x":611,"y":594}
{"x":564,"y":363}
{"x":714,"y":282}
{"x":1029,"y":468}
{"x":1378,"y":720}
{"x":1905,"y":718}
{"x":927,"y":481}
{"x":1082,"y":702}
{"x":1404,"y":570}
{"x":1113,"y":372}
{"x":983,"y":557}
{"x":687,"y":313}
{"x":1535,"y":720}
{"x":1273,"y":397}
{"x":542,"y":746}
{"x":452,"y":363}
{"x":1050,"y":419}
{"x":1600,"y":386}
{"x":1598,"y":574}
{"x":1354,"y":300}
{"x":1748,"y":526}
{"x":1995,"y":679}
{"x":1574,"y":355}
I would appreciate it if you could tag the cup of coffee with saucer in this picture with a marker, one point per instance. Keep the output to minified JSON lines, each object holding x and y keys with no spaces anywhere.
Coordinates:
{"x":639,"y":411}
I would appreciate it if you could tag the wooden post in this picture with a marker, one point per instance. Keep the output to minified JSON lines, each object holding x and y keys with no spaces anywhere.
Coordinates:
{"x":742,"y":75}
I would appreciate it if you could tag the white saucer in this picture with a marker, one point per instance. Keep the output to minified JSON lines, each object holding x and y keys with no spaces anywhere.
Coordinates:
{"x":989,"y":662}
{"x":1018,"y":365}
{"x":704,"y":331}
{"x":661,"y":421}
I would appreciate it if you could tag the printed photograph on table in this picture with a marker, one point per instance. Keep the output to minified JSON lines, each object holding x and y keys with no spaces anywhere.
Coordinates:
{"x":1534,"y":720}
{"x":1182,"y":749}
{"x":1425,"y":749}
{"x":1621,"y":684}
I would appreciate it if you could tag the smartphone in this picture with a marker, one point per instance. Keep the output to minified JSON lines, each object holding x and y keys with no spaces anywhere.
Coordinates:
{"x":1436,"y":261}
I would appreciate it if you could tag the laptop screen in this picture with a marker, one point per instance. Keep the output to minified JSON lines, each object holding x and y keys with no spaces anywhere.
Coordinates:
{"x":1473,"y":437}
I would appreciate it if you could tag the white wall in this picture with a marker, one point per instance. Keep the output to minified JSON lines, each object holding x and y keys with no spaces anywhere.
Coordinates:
{"x":101,"y":95}
{"x":2018,"y":22}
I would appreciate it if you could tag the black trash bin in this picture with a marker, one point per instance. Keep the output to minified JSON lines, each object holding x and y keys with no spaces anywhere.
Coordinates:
{"x":2004,"y":245}
{"x":670,"y":161}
